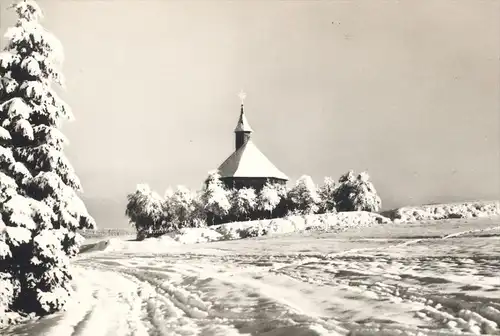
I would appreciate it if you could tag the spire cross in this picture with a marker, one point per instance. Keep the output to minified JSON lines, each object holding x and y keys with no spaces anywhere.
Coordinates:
{"x":242,"y":96}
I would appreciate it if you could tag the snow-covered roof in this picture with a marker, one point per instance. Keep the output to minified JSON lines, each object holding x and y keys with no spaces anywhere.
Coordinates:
{"x":249,"y":161}
{"x":243,"y":125}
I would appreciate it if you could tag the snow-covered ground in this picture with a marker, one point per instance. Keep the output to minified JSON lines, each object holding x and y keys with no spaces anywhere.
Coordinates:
{"x":434,"y":278}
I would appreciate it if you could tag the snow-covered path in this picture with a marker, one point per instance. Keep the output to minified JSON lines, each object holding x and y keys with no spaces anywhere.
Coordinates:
{"x":295,"y":285}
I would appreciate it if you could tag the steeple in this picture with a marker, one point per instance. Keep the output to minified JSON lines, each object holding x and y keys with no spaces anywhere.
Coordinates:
{"x":243,"y":129}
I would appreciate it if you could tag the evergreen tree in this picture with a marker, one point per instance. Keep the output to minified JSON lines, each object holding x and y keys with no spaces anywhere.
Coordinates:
{"x":39,"y":206}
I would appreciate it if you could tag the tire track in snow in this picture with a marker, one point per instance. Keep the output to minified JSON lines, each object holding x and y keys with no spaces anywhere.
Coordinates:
{"x":372,"y":278}
{"x":316,"y":258}
{"x":194,"y":314}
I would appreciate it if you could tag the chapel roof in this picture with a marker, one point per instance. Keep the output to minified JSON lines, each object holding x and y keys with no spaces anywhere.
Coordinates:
{"x":249,"y":161}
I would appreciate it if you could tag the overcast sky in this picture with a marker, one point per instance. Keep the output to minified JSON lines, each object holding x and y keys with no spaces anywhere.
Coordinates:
{"x":407,"y":90}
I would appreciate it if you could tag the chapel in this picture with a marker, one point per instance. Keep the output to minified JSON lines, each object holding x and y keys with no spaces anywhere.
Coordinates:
{"x":247,"y":166}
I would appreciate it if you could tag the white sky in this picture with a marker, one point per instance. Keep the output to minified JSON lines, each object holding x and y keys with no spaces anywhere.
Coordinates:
{"x":408,"y":90}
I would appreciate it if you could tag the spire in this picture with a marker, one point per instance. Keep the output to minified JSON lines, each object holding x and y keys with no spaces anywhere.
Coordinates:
{"x":243,"y":125}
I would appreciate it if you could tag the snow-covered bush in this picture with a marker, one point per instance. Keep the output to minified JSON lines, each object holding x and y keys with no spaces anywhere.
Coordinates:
{"x":40,"y":210}
{"x":252,"y":232}
{"x":356,"y":193}
{"x":303,"y":198}
{"x":227,"y":232}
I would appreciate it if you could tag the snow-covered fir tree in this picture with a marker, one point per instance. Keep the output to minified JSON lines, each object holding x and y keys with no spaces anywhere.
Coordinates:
{"x":303,"y":198}
{"x":356,"y":193}
{"x":215,"y":196}
{"x":39,"y":205}
{"x":327,"y":196}
{"x":268,"y":199}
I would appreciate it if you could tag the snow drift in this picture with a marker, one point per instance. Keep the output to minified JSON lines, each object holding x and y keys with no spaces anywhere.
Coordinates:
{"x":239,"y":230}
{"x":446,"y":211}
{"x":334,"y":222}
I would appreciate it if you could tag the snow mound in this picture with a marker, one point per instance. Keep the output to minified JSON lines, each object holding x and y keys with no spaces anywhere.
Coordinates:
{"x":196,"y":235}
{"x":446,"y":211}
{"x":109,"y":245}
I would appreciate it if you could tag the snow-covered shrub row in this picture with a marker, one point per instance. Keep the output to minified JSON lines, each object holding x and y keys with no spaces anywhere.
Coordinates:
{"x":446,"y":211}
{"x":40,"y":210}
{"x":153,"y":215}
{"x":331,"y":222}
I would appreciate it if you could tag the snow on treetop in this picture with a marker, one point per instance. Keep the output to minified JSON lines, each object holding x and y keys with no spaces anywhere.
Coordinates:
{"x":28,"y":9}
{"x":169,"y":193}
{"x":364,"y":177}
{"x":32,"y":34}
{"x":143,"y":188}
{"x":183,"y":195}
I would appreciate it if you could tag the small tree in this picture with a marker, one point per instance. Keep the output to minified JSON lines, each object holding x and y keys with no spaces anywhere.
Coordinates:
{"x":356,"y":193}
{"x":215,"y":197}
{"x":146,"y":212}
{"x":198,"y":215}
{"x":268,"y":199}
{"x":243,"y":203}
{"x":327,"y":196}
{"x":182,"y":208}
{"x":303,"y":198}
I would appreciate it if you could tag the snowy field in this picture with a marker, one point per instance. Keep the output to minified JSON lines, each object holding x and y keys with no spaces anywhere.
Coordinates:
{"x":434,"y":278}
